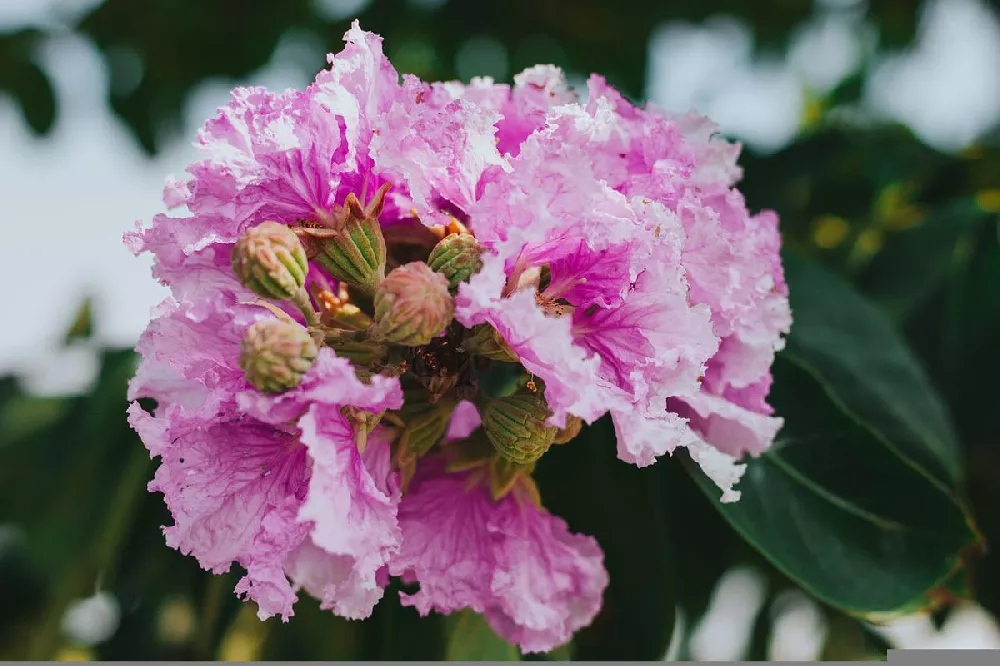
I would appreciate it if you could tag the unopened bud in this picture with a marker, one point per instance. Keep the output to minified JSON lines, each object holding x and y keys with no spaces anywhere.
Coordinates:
{"x":354,"y":252}
{"x":412,"y":306}
{"x":516,"y":427}
{"x":484,"y":340}
{"x":574,"y":424}
{"x":457,"y":257}
{"x":275,"y":354}
{"x":270,"y":260}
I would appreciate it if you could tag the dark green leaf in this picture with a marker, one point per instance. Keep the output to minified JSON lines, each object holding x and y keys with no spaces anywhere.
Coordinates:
{"x":915,"y":262}
{"x":840,"y":513}
{"x":849,"y":346}
{"x":21,"y":76}
{"x":618,"y":504}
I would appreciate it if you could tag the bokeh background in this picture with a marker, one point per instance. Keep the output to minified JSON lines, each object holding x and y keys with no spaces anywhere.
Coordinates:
{"x":872,"y":127}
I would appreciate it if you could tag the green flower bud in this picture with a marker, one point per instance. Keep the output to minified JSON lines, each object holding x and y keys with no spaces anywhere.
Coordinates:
{"x":574,"y":424}
{"x":270,"y":260}
{"x":516,"y":427}
{"x":275,"y":354}
{"x":484,"y":340}
{"x":457,"y":257}
{"x":353,"y":251}
{"x":412,"y":306}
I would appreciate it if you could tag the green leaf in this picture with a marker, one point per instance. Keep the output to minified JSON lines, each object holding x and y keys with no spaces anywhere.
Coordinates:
{"x":842,"y":514}
{"x":470,"y":638}
{"x":865,"y":367}
{"x":916,"y":262}
{"x":24,"y":416}
{"x":82,"y":327}
{"x":620,"y":505}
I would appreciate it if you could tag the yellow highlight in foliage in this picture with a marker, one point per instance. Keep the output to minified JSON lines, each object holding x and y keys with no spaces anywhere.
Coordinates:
{"x":894,"y":211}
{"x":176,"y":622}
{"x":869,"y":242}
{"x":989,"y":200}
{"x":245,"y":637}
{"x":74,"y":653}
{"x":830,"y":231}
{"x":812,"y":113}
{"x":973,"y":152}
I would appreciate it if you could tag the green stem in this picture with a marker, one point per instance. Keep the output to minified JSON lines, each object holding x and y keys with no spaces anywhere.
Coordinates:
{"x":304,"y":304}
{"x":211,"y":610}
{"x":101,"y":558}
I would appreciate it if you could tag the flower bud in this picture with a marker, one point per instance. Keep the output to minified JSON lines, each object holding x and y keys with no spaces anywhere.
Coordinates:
{"x":516,"y":427}
{"x":412,"y":306}
{"x":457,"y":257}
{"x":484,"y":340}
{"x":353,"y":252}
{"x":270,"y":260}
{"x":275,"y":354}
{"x":574,"y":424}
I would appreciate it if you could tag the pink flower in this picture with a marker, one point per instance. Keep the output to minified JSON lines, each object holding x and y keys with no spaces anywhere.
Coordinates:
{"x":282,"y":501}
{"x":611,"y":271}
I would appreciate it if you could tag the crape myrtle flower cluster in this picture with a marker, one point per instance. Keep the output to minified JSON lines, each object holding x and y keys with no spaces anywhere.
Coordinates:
{"x":352,"y":267}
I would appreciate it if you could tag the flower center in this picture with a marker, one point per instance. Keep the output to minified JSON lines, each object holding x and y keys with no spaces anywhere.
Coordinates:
{"x":383,"y":299}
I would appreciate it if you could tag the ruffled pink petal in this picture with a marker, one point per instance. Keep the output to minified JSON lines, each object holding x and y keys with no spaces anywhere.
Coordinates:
{"x":645,"y":436}
{"x":586,"y":277}
{"x":439,"y":151}
{"x":360,"y":86}
{"x":189,"y":356}
{"x":351,"y":504}
{"x":716,"y":169}
{"x":464,"y":421}
{"x":334,"y":580}
{"x":332,"y":382}
{"x":721,"y":468}
{"x":548,"y":582}
{"x":268,"y":156}
{"x":729,"y":427}
{"x":536,"y":582}
{"x":537,"y":91}
{"x":544,"y":344}
{"x":175,"y":192}
{"x":234,"y":490}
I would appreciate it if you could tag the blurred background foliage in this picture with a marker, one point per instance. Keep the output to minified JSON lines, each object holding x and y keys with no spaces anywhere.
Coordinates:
{"x":877,"y":500}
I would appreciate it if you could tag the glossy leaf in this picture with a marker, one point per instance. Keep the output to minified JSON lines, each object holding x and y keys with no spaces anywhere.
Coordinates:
{"x":917,"y":261}
{"x":849,"y":346}
{"x":841,"y":513}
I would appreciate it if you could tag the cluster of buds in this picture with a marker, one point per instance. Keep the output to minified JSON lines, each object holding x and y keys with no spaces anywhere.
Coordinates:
{"x":397,"y":322}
